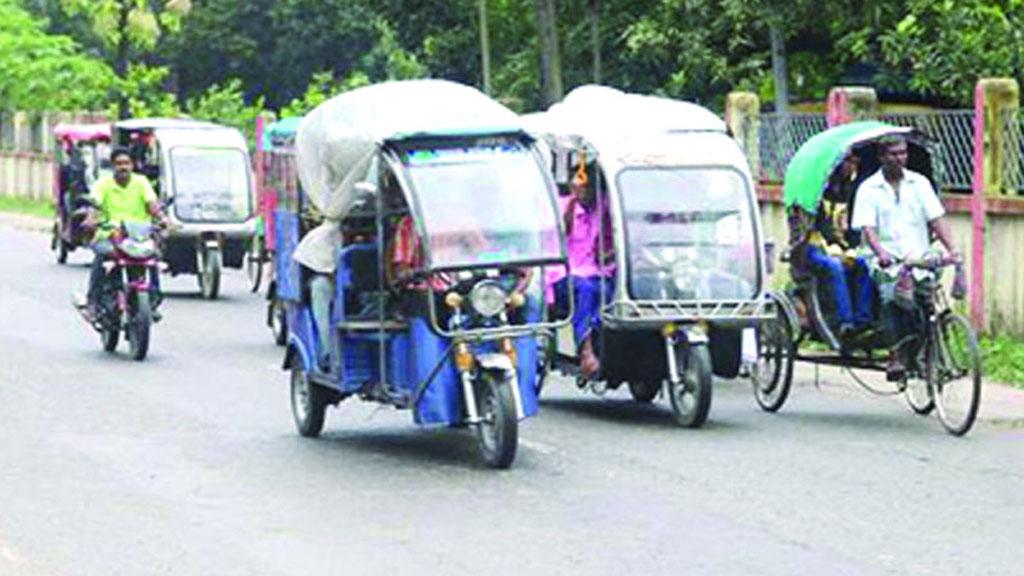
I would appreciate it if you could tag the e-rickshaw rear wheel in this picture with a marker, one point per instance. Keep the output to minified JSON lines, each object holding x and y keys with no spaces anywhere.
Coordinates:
{"x":643,"y":390}
{"x":772,"y":376}
{"x":954,"y":373}
{"x":498,"y":430}
{"x":309,"y":403}
{"x":691,"y":395}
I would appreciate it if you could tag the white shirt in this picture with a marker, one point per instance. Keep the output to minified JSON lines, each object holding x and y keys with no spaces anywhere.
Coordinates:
{"x":902,"y":226}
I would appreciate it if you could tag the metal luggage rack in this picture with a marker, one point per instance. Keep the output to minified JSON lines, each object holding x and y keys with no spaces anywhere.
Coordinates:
{"x":657,"y":312}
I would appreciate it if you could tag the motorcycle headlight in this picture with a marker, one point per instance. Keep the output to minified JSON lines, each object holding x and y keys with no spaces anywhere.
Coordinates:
{"x":488,"y":298}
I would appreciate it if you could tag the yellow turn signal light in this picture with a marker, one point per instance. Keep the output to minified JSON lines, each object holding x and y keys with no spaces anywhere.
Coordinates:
{"x":453,"y":300}
{"x":517,"y":300}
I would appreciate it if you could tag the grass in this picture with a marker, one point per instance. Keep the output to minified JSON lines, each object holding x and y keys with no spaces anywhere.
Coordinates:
{"x":29,"y":206}
{"x":1003,"y":358}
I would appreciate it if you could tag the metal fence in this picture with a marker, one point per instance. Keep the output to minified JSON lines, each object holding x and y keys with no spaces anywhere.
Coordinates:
{"x":952,"y":132}
{"x":781,"y":135}
{"x":1013,"y":151}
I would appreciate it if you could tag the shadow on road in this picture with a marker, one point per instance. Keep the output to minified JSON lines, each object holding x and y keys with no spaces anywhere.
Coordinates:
{"x":411,"y":447}
{"x":629,"y":412}
{"x":864,"y":422}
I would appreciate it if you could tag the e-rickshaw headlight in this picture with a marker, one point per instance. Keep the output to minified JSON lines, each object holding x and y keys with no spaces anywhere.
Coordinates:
{"x":488,"y":298}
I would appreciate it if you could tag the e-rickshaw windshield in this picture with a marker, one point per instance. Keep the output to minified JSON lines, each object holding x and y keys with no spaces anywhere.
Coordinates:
{"x":210,"y":184}
{"x":690,"y":233}
{"x":483,"y":206}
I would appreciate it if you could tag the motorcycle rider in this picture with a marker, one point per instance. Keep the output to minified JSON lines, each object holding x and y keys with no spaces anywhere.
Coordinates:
{"x":121,"y":197}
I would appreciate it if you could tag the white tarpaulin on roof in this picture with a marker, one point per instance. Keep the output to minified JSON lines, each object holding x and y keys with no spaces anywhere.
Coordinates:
{"x":337,"y":141}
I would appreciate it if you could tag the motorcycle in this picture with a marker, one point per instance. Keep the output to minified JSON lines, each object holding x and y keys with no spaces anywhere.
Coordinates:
{"x":127,"y":294}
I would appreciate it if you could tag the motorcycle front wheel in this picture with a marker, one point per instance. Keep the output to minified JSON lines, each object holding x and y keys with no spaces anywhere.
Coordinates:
{"x":139,"y":323}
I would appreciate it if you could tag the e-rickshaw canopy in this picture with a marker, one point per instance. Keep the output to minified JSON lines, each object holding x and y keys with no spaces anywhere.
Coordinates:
{"x":337,"y":142}
{"x":82,"y":132}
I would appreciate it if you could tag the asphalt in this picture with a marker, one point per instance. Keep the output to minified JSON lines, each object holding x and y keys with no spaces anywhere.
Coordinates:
{"x":188,"y":463}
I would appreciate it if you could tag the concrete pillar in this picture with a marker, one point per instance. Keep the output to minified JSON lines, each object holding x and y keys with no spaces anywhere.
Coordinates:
{"x":995,"y":102}
{"x":851,"y":103}
{"x":743,"y":117}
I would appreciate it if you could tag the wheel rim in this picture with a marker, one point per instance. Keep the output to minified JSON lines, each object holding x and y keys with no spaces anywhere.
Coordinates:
{"x":488,"y":420}
{"x":300,"y":395}
{"x":954,"y":372}
{"x":917,"y":391}
{"x":684,"y":392}
{"x":768,"y":368}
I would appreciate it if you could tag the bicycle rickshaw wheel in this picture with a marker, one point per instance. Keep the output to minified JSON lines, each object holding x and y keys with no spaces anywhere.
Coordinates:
{"x":772,"y":376}
{"x":255,"y":259}
{"x":954,"y":373}
{"x":918,"y":391}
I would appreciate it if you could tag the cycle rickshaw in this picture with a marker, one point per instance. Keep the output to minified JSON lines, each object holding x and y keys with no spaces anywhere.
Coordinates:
{"x":281,"y":222}
{"x":688,"y":267}
{"x":81,"y":157}
{"x":454,"y":341}
{"x":943,"y":358}
{"x":203,"y":171}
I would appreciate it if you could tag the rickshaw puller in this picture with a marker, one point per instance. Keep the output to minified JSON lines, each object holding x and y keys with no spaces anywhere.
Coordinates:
{"x":897,"y":209}
{"x":123,"y":197}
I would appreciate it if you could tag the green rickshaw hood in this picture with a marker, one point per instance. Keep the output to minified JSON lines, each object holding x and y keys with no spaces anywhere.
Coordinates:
{"x":808,"y":172}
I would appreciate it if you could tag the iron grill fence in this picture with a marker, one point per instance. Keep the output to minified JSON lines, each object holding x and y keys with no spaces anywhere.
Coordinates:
{"x":952,"y":134}
{"x":1012,"y":147}
{"x":781,"y":135}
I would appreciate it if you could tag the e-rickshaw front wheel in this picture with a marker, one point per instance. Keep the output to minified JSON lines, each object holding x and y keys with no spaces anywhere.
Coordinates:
{"x":309,"y":403}
{"x":954,"y":373}
{"x":498,"y":429}
{"x":690,"y":393}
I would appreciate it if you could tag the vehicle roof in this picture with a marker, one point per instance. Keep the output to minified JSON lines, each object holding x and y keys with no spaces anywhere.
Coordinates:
{"x":222,"y":137}
{"x":158,"y":123}
{"x":77,"y":132}
{"x":630,"y":129}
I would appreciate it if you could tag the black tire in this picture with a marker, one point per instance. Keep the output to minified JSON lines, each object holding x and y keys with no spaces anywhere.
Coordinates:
{"x":309,"y":403}
{"x":498,"y":432}
{"x":643,"y":390}
{"x":545,"y":354}
{"x":954,"y":373}
{"x":772,"y":376}
{"x":254,"y":263}
{"x":278,"y":322}
{"x":691,"y":395}
{"x":211,"y":262}
{"x":139,"y":323}
{"x":110,"y":337}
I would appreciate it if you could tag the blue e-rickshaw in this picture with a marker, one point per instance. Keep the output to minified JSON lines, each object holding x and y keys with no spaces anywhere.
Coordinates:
{"x":455,"y":342}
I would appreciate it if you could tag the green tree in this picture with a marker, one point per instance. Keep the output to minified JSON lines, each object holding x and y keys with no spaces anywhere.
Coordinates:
{"x":225,"y":104}
{"x":43,"y":72}
{"x":129,"y":29}
{"x":945,"y":46}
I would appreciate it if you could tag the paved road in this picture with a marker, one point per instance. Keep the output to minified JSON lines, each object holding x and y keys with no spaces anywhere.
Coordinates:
{"x":189,"y":464}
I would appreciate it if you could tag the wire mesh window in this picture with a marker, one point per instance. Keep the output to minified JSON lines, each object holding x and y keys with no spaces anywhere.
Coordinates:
{"x":781,"y":135}
{"x":952,"y":132}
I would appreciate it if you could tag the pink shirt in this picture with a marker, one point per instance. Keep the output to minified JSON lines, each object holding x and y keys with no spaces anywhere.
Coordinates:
{"x":582,"y":245}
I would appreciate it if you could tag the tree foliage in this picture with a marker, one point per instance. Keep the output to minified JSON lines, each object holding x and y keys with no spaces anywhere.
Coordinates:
{"x":41,"y":71}
{"x":294,"y":53}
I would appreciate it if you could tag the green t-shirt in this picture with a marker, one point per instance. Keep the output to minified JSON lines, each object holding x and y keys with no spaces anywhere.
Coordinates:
{"x":127,"y":204}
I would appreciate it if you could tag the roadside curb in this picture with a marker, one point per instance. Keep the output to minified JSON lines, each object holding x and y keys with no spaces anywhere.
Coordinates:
{"x":26,"y":222}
